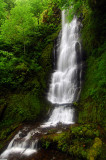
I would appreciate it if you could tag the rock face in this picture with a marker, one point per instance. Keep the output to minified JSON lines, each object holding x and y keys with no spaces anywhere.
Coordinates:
{"x":3,"y":106}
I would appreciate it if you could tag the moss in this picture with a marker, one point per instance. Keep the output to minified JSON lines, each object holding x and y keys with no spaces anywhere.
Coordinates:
{"x":92,"y":101}
{"x":6,"y":133}
{"x":94,"y":151}
{"x":89,"y":133}
{"x":46,"y":60}
{"x":27,"y":108}
{"x":46,"y":64}
{"x":79,"y":141}
{"x":32,"y":85}
{"x":62,"y":139}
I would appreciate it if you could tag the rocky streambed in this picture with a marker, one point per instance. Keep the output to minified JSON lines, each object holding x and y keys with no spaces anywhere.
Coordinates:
{"x":61,"y":142}
{"x":28,"y":144}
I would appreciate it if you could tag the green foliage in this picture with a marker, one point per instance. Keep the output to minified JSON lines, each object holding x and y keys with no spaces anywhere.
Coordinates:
{"x":97,"y":72}
{"x":51,"y":131}
{"x":63,"y":142}
{"x":85,"y":131}
{"x":81,"y":142}
{"x":25,"y":60}
{"x":7,"y":61}
{"x":37,"y":7}
{"x":15,"y":67}
{"x":46,"y":144}
{"x":93,"y":17}
{"x":2,"y":11}
{"x":12,"y":70}
{"x":9,"y":4}
{"x":27,"y":107}
{"x":19,"y":25}
{"x":26,"y":41}
{"x":93,"y":94}
{"x":72,"y":7}
{"x":6,"y":133}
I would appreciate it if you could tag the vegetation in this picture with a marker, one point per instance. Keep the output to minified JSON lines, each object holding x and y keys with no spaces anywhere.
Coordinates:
{"x":80,"y":142}
{"x":27,"y":33}
{"x":92,"y":14}
{"x":85,"y":142}
{"x":28,"y":29}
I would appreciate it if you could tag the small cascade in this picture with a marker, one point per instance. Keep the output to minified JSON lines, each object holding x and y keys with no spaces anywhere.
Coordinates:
{"x":60,"y":114}
{"x":22,"y":143}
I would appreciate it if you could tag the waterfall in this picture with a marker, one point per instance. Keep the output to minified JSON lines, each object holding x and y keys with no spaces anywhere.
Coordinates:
{"x":65,"y":84}
{"x":64,"y":90}
{"x":66,"y":80}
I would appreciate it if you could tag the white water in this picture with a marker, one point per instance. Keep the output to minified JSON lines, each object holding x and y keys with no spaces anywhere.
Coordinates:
{"x":23,"y":146}
{"x":60,"y":114}
{"x":64,"y":90}
{"x":64,"y":85}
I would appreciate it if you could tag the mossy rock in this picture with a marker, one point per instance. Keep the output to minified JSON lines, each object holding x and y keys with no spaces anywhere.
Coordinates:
{"x":94,"y":151}
{"x":89,"y":133}
{"x":6,"y":133}
{"x":80,"y":141}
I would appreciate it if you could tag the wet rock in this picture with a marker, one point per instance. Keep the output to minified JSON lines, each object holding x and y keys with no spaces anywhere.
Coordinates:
{"x":23,"y":134}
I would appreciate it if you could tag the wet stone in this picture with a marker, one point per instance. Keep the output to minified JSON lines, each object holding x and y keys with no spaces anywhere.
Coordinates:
{"x":23,"y":134}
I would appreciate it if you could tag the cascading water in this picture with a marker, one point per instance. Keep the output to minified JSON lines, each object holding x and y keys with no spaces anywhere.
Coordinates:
{"x":64,"y":90}
{"x":66,"y":80}
{"x":22,"y":144}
